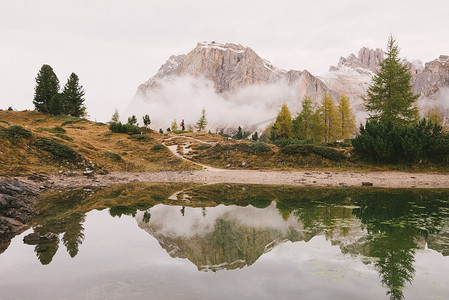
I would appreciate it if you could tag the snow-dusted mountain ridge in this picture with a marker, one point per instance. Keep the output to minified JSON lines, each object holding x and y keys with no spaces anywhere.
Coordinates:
{"x":238,"y":87}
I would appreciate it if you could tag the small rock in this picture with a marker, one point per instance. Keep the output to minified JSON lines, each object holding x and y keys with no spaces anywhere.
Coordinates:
{"x":88,"y":173}
{"x":243,"y":163}
{"x":32,"y":238}
{"x":365,"y":183}
{"x":342,"y":184}
{"x":51,"y":236}
{"x":228,"y":166}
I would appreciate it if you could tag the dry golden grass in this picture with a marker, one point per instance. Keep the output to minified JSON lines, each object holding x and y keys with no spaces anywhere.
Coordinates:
{"x":91,"y":140}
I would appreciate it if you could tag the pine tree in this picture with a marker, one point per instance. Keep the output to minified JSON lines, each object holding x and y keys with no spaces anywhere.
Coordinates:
{"x":330,"y":119}
{"x":73,"y":94}
{"x":347,"y":118}
{"x":390,"y":96}
{"x":202,"y":122}
{"x":302,"y":124}
{"x":255,"y":136}
{"x":284,"y":125}
{"x":146,"y":121}
{"x":132,"y":120}
{"x":115,"y":117}
{"x":47,"y":86}
{"x":317,"y":128}
{"x":56,"y":104}
{"x":174,"y":125}
{"x":239,"y":134}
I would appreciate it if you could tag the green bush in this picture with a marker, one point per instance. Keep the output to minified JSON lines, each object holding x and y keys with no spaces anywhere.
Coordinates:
{"x":70,"y":120}
{"x":118,"y":127}
{"x":158,"y":147}
{"x":258,"y":148}
{"x":292,"y":141}
{"x":113,"y":156}
{"x":325,"y":152}
{"x":140,"y":137}
{"x":56,"y":129}
{"x":344,"y":143}
{"x":64,"y":137}
{"x":3,"y":121}
{"x":57,"y":149}
{"x":17,"y":132}
{"x":386,"y":142}
{"x":178,"y":131}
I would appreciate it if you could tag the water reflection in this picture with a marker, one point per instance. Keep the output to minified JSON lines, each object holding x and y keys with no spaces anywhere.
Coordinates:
{"x":222,"y":226}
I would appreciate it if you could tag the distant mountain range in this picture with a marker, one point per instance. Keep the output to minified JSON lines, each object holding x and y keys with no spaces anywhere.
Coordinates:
{"x":237,"y":74}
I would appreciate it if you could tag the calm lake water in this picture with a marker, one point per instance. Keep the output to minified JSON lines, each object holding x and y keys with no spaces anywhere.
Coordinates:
{"x":181,"y":241}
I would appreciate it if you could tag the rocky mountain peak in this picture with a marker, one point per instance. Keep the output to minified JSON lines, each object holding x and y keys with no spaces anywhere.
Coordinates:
{"x":367,"y":59}
{"x":433,"y":77}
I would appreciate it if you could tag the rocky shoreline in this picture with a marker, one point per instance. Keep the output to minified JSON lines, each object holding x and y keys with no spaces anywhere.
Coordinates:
{"x":16,"y":208}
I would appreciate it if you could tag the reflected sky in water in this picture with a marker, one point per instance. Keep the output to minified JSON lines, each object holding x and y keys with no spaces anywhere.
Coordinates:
{"x":228,"y":251}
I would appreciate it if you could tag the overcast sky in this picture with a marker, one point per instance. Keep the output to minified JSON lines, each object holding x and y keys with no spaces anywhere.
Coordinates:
{"x":115,"y":45}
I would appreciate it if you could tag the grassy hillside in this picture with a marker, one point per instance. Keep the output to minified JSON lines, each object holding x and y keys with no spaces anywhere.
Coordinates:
{"x":44,"y":143}
{"x":93,"y":145}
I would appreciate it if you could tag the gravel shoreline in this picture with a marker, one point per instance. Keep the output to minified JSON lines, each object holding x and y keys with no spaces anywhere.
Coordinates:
{"x":292,"y":178}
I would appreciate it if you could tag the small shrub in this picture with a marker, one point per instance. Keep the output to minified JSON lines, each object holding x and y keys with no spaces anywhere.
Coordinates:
{"x":57,"y":149}
{"x":113,"y":156}
{"x":326,"y":152}
{"x":17,"y":132}
{"x":140,"y":137}
{"x":3,"y":121}
{"x":64,"y":137}
{"x":10,"y":108}
{"x":291,"y":141}
{"x":178,"y":131}
{"x":158,"y":147}
{"x":343,"y":143}
{"x":118,"y":127}
{"x":56,"y":129}
{"x":258,"y":148}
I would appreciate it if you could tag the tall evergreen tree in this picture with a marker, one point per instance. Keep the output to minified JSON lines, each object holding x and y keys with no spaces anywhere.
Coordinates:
{"x":347,"y":118}
{"x":330,"y":118}
{"x":284,"y":125}
{"x":302,"y":124}
{"x":390,"y":96}
{"x":47,"y":86}
{"x":202,"y":122}
{"x":56,"y":104}
{"x":73,"y":94}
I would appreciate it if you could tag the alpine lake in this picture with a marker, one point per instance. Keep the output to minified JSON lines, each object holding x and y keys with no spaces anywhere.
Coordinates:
{"x":230,"y":241}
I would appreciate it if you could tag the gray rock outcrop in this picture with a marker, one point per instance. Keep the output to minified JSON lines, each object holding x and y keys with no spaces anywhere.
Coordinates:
{"x":433,"y":78}
{"x":16,"y":209}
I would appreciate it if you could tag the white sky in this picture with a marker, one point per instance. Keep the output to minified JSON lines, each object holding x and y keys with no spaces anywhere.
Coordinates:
{"x":115,"y":45}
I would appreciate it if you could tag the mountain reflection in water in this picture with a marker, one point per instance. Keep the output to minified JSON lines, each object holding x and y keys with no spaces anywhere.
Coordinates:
{"x":223,"y":226}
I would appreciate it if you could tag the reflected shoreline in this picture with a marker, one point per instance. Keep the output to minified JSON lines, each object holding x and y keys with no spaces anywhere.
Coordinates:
{"x":230,"y":226}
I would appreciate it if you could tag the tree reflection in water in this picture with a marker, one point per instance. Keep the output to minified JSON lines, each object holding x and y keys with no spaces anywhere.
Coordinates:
{"x":397,"y":222}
